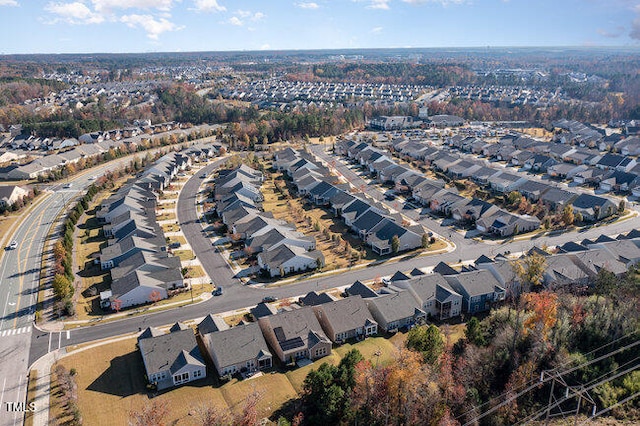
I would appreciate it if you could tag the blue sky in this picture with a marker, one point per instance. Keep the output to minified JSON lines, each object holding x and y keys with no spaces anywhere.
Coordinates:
{"x":85,"y":26}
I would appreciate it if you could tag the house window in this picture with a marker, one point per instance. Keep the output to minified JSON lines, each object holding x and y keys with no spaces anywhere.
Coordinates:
{"x":181,"y":378}
{"x":321,"y":352}
{"x":197,"y":373}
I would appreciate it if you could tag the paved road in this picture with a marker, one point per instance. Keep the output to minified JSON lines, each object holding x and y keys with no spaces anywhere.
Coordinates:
{"x":19,"y":279}
{"x":237,"y":295}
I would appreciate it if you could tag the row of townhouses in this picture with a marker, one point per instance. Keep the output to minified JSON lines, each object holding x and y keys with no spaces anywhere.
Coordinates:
{"x":606,"y":171}
{"x":278,"y":247}
{"x":70,"y":150}
{"x":142,"y":271}
{"x":310,"y":327}
{"x":432,"y":193}
{"x":372,"y":222}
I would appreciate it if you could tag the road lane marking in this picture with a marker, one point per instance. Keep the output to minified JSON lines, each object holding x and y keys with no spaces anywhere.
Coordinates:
{"x":3,"y":386}
{"x":37,"y":223}
{"x":68,"y":334}
{"x":49,"y":346}
{"x":59,"y":340}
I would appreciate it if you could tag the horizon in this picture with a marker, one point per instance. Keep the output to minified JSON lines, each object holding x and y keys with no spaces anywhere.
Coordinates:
{"x":145,"y":26}
{"x":549,"y":48}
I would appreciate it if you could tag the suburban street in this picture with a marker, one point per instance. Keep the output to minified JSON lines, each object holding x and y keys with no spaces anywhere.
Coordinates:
{"x":238,"y":296}
{"x":19,"y":279}
{"x":19,"y":276}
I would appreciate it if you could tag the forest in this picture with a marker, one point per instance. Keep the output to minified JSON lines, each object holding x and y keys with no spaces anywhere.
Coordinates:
{"x":494,"y":374}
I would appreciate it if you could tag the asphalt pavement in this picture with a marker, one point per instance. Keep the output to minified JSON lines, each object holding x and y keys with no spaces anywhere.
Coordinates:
{"x":237,"y":295}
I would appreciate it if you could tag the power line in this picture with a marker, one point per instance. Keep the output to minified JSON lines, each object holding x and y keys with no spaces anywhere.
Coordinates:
{"x":536,"y":380}
{"x":578,"y":392}
{"x":549,"y":378}
{"x":606,"y":410}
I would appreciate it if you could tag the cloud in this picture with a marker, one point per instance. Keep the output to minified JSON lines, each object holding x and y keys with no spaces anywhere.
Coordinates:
{"x":265,"y":46}
{"x":8,"y":3}
{"x":310,"y":5}
{"x":152,"y":26}
{"x":616,"y":32}
{"x":73,"y":13}
{"x":379,"y":4}
{"x":209,"y":6}
{"x":240,"y":16}
{"x":108,"y":5}
{"x":376,"y":30}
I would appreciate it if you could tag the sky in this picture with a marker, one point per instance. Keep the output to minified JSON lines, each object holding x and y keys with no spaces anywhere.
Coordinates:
{"x":121,"y":26}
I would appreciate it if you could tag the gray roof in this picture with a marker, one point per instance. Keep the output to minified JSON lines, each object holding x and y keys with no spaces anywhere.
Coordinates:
{"x":263,"y":310}
{"x":360,"y":289}
{"x":345,"y":314}
{"x":170,"y":351}
{"x":210,"y":324}
{"x":313,"y":299}
{"x":237,"y":344}
{"x":474,"y":283}
{"x":397,"y":306}
{"x":426,"y":286}
{"x":298,"y":328}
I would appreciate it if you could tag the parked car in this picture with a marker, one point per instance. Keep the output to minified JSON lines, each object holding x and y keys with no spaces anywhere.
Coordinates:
{"x":217,"y":291}
{"x":174,"y":245}
{"x":67,"y":185}
{"x":13,"y":245}
{"x":268,"y":299}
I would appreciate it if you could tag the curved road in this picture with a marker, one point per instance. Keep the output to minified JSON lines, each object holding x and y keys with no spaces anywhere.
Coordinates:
{"x":236,"y":295}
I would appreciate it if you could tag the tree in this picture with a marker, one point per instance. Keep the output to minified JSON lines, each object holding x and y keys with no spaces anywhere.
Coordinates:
{"x":62,"y":286}
{"x":425,"y":241}
{"x":428,"y":341}
{"x":621,"y":207}
{"x":153,"y":414}
{"x":567,"y":215}
{"x":513,"y":198}
{"x":474,"y":332}
{"x":395,"y":244}
{"x":605,"y":283}
{"x":530,"y":270}
{"x":59,"y":251}
{"x":544,"y":306}
{"x":327,"y":388}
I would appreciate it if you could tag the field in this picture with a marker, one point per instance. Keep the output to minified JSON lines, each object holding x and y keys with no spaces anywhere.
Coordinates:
{"x":110,"y":381}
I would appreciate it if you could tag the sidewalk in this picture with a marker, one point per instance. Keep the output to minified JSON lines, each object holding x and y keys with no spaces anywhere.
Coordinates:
{"x":43,"y":385}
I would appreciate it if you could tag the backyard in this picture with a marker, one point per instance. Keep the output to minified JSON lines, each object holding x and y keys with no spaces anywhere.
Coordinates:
{"x":110,"y":381}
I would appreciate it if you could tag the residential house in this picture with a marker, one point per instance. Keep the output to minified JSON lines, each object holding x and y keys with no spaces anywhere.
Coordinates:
{"x":171,"y":359}
{"x":593,"y":208}
{"x":395,"y":311}
{"x":381,"y":235}
{"x":295,"y":334}
{"x":479,"y":290}
{"x":346,"y":319}
{"x":10,"y":194}
{"x":287,"y":259}
{"x":561,"y":271}
{"x":140,"y":287}
{"x":240,"y":349}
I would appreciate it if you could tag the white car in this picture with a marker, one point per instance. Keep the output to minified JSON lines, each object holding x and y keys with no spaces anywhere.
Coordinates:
{"x":67,"y":185}
{"x":13,"y":245}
